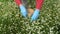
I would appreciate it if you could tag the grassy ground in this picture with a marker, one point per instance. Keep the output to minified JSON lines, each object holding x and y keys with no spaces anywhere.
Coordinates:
{"x":12,"y":22}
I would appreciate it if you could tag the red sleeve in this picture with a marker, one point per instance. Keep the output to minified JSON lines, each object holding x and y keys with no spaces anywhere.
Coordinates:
{"x":39,"y":4}
{"x":18,"y":2}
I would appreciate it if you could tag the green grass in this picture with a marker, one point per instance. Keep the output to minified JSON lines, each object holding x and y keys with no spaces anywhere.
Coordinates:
{"x":12,"y":22}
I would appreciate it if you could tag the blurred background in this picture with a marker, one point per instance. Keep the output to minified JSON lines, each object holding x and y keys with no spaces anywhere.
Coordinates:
{"x":12,"y":22}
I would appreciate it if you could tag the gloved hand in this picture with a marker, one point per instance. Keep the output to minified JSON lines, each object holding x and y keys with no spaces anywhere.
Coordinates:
{"x":23,"y":10}
{"x":35,"y":15}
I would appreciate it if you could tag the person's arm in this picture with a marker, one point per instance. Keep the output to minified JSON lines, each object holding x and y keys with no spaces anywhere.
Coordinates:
{"x":35,"y":15}
{"x":39,"y":4}
{"x":18,"y":2}
{"x":22,"y":8}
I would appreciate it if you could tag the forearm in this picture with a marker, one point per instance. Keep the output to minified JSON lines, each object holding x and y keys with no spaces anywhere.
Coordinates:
{"x":22,"y":7}
{"x":18,"y":2}
{"x":39,"y":4}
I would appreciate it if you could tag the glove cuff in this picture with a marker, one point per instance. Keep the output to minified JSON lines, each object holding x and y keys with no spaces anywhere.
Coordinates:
{"x":37,"y":10}
{"x":22,"y":8}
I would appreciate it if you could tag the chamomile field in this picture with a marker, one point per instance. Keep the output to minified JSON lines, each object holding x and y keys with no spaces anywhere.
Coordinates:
{"x":12,"y":22}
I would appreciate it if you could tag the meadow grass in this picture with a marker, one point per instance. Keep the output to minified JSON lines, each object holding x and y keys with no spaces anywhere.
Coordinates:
{"x":12,"y":22}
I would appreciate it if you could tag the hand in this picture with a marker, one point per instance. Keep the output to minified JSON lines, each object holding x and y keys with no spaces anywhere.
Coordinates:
{"x":23,"y":10}
{"x":35,"y":15}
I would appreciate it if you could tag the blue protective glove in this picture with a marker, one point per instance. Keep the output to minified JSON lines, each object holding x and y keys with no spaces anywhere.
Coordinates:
{"x":23,"y":10}
{"x":35,"y":15}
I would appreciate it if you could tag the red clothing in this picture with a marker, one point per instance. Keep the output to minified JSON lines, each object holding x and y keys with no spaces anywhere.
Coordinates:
{"x":38,"y":3}
{"x":18,"y":2}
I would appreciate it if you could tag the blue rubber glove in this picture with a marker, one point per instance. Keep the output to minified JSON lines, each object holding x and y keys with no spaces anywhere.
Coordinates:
{"x":35,"y":15}
{"x":23,"y":10}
